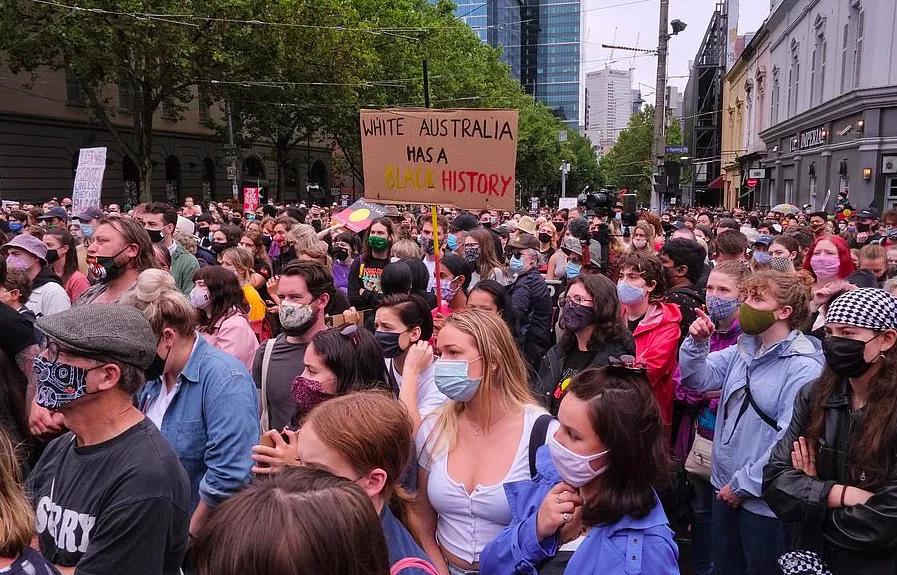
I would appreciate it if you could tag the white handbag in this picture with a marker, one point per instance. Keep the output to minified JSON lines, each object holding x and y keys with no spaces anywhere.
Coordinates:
{"x":698,"y":460}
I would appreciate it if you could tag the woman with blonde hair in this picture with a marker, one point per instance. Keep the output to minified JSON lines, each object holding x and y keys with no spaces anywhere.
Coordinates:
{"x":240,"y":261}
{"x":202,"y":399}
{"x":482,"y":433}
{"x":363,"y":436}
{"x":642,"y":238}
{"x":16,"y":518}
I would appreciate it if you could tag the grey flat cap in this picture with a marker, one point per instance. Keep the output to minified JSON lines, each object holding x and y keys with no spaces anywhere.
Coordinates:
{"x":113,"y":331}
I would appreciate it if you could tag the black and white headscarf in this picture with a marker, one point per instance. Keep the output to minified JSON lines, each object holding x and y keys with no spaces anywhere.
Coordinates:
{"x":869,"y":308}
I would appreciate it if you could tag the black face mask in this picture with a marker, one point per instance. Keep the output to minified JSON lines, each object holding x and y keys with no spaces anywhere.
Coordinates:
{"x":157,"y":368}
{"x":558,"y":226}
{"x":861,"y":227}
{"x":155,"y":236}
{"x":340,"y":254}
{"x":595,"y":235}
{"x":544,"y":238}
{"x":486,"y":225}
{"x":202,"y":231}
{"x":52,"y":256}
{"x":389,"y":343}
{"x":845,"y":356}
{"x":219,"y":247}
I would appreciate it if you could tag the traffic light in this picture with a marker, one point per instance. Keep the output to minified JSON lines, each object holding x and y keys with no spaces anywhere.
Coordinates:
{"x":672,"y":170}
{"x":660,"y":182}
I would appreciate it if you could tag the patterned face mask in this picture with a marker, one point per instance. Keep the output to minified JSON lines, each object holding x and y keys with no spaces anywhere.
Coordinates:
{"x":59,"y":384}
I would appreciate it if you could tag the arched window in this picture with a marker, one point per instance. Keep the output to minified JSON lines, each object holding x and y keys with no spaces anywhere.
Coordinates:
{"x":131,"y":179}
{"x":173,"y":180}
{"x":208,"y":180}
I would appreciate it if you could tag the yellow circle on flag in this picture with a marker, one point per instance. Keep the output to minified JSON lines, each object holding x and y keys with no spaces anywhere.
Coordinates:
{"x":359,"y":215}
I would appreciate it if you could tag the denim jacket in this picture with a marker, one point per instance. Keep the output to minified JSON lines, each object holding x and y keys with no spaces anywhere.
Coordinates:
{"x":629,"y":545}
{"x":212,"y":422}
{"x":741,"y":447}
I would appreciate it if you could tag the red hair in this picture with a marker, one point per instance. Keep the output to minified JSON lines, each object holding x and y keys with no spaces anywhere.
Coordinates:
{"x":845,"y":269}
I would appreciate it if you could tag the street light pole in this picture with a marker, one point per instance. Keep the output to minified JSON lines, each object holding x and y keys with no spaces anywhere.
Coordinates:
{"x":232,"y":149}
{"x":565,"y":169}
{"x":660,"y":92}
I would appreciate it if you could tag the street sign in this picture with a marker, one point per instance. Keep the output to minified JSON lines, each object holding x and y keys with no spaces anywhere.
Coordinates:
{"x":677,"y":149}
{"x":758,"y":173}
{"x":752,"y":182}
{"x":231,"y":172}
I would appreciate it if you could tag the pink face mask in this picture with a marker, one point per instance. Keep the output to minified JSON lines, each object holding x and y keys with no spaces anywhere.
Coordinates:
{"x":825,"y":266}
{"x":308,"y":393}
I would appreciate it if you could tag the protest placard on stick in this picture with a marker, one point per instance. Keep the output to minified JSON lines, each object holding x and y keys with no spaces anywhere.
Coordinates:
{"x":88,"y":179}
{"x":464,"y":158}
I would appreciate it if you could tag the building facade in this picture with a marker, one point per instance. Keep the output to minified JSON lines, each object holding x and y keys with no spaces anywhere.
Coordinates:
{"x":832,"y":103}
{"x":733,"y":131}
{"x":702,"y":120}
{"x":45,"y":122}
{"x":609,"y":106}
{"x":540,"y":41}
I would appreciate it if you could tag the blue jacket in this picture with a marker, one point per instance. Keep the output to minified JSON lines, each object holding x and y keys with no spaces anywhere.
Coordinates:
{"x":630,"y":546}
{"x":740,"y":452}
{"x":212,"y":422}
{"x":399,"y":542}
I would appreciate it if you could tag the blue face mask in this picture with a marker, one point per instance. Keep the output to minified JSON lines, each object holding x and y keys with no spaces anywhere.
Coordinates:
{"x":719,"y":308}
{"x":629,"y":294}
{"x":15,"y":226}
{"x":452,"y":243}
{"x":515,"y":265}
{"x":572,"y":270}
{"x":87,"y":230}
{"x":452,"y":379}
{"x":762,"y":257}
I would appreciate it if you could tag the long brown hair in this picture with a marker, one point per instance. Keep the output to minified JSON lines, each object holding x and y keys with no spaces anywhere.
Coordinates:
{"x":626,"y":417}
{"x":301,"y":520}
{"x":225,"y":294}
{"x":872,"y":450}
{"x":16,"y":515}
{"x":488,"y":259}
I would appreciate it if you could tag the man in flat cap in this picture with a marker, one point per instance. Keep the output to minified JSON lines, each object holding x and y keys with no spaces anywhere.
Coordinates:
{"x":110,"y":495}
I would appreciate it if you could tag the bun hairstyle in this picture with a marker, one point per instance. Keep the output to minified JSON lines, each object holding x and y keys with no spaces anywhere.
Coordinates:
{"x":158,"y":298}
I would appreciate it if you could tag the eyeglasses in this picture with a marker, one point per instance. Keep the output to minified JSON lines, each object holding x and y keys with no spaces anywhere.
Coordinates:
{"x":577,"y":299}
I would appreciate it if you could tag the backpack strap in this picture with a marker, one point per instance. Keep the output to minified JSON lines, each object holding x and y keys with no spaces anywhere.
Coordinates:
{"x":537,"y":439}
{"x":412,"y":563}
{"x":265,"y":420}
{"x":749,"y":402}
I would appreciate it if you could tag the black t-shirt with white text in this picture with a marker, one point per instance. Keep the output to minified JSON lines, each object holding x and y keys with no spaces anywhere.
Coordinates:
{"x":115,"y":507}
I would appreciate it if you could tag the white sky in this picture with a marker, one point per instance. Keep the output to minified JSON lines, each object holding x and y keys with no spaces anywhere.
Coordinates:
{"x":636,"y":24}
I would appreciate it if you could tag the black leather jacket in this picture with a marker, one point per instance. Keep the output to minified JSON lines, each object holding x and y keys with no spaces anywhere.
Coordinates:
{"x":852,"y":540}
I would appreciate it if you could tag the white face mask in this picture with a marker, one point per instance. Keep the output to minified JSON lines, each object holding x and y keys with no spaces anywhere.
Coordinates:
{"x":639,"y":243}
{"x":573,"y":467}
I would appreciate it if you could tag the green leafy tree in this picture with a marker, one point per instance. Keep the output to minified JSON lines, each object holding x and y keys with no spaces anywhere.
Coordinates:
{"x":157,"y":59}
{"x":629,"y":162}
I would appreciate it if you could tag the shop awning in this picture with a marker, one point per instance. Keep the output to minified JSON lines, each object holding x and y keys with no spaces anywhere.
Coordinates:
{"x":716,"y":184}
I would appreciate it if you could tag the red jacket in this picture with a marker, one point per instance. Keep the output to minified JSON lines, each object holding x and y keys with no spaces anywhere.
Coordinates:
{"x":657,"y":346}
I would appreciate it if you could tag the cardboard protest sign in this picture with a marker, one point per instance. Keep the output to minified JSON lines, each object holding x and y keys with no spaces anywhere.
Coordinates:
{"x":360,"y":215}
{"x":569,"y":203}
{"x":464,"y":158}
{"x":250,"y":199}
{"x":88,"y":179}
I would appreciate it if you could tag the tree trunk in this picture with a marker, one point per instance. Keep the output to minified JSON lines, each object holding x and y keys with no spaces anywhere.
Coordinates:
{"x":143,"y":138}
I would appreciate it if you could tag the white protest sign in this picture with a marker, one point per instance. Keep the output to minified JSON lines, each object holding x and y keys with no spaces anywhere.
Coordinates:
{"x":569,"y":203}
{"x":88,"y":179}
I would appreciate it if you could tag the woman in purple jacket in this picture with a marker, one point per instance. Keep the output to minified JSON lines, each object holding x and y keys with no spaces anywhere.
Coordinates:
{"x":594,"y":483}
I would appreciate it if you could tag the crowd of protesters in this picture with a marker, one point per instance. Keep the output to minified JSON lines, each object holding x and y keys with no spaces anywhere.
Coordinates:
{"x":207,"y":389}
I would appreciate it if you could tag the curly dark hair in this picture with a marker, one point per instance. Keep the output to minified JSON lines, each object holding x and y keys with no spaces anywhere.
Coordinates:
{"x":650,"y":268}
{"x":608,"y":318}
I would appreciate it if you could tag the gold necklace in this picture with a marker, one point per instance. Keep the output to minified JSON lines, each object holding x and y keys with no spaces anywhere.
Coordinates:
{"x":477,"y":430}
